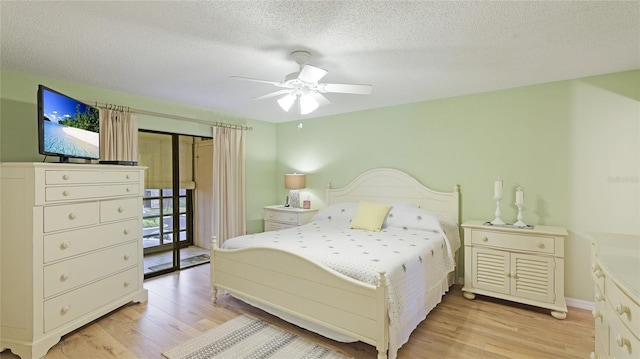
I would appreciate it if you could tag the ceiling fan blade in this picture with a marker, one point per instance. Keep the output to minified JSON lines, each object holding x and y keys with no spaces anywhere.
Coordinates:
{"x":311,"y":74}
{"x":273,"y":94}
{"x":345,"y":88}
{"x":255,"y":80}
{"x":320,"y":99}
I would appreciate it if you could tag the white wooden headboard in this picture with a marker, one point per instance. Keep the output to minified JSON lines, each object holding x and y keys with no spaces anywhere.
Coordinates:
{"x":386,"y":185}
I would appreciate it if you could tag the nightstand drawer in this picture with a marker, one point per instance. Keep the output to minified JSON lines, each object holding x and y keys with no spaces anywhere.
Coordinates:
{"x":283,"y":217}
{"x":514,"y":241}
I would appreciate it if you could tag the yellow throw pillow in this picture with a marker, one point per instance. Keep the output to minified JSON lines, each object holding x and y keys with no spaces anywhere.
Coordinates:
{"x":370,"y":216}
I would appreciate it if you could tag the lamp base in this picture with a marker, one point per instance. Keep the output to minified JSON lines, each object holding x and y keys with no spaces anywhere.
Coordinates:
{"x":294,"y":198}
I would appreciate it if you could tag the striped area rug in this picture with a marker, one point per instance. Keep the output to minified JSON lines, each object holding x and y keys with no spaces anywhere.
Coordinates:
{"x":249,"y":338}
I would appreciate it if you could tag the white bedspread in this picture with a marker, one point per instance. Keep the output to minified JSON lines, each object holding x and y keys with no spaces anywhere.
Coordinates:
{"x":414,"y":258}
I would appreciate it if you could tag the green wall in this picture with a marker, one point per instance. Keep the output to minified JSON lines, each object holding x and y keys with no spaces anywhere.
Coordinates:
{"x":19,"y":139}
{"x":566,"y":143}
{"x":572,"y":145}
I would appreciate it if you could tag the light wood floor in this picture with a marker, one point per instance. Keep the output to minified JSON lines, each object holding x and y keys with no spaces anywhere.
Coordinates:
{"x":179,"y":308}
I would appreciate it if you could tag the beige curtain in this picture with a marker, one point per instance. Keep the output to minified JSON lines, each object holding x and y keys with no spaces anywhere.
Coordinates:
{"x":228,"y":183}
{"x":118,"y":135}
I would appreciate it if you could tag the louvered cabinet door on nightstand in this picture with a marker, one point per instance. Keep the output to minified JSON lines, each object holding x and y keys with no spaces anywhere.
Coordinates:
{"x":521,"y":265}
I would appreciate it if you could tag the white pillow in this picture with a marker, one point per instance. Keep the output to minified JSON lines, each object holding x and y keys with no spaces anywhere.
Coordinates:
{"x":338,"y":214}
{"x":412,"y":218}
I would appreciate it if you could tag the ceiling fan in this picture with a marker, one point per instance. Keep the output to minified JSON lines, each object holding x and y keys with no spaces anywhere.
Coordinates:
{"x":303,"y":86}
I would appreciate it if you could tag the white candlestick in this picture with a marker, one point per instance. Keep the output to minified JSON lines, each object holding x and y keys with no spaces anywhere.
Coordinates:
{"x":520,"y":223}
{"x":519,"y":196}
{"x":497,"y":189}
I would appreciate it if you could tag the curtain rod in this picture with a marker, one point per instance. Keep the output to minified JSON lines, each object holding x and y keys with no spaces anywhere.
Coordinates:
{"x":164,"y":115}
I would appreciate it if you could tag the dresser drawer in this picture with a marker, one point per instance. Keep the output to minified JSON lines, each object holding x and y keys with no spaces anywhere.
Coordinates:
{"x":598,"y":275}
{"x":69,"y":306}
{"x":623,"y":344}
{"x":70,"y":216}
{"x":514,"y":241}
{"x":626,"y":309}
{"x":280,"y":216}
{"x":75,"y":272}
{"x":54,"y":177}
{"x":63,"y":193}
{"x":118,"y":209}
{"x":67,"y":244}
{"x":602,"y":315}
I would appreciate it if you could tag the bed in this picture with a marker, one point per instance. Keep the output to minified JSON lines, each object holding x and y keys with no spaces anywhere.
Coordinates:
{"x":320,"y":291}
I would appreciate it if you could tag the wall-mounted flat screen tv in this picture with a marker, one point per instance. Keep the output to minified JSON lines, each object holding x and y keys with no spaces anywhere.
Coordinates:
{"x":67,"y":128}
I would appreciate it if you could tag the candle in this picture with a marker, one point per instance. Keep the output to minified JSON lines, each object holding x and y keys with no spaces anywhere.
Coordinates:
{"x":519,"y":196}
{"x":497,"y":189}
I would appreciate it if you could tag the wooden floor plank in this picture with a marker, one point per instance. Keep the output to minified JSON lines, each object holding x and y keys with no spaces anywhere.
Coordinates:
{"x":180,"y":308}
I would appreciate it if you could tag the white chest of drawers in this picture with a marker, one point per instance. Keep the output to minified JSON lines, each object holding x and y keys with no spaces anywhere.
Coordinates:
{"x":71,"y":249}
{"x":520,"y":265}
{"x":280,"y":217}
{"x":615,"y":269}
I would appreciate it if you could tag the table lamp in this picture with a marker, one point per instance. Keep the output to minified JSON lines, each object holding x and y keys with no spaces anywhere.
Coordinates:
{"x":294,"y":182}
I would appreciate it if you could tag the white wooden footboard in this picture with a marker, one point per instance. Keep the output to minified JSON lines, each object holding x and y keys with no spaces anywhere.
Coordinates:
{"x":305,"y":289}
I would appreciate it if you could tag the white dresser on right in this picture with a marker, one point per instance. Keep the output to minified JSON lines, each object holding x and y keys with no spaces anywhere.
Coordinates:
{"x":615,"y":270}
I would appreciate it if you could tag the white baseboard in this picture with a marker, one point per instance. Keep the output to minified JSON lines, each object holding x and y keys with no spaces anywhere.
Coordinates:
{"x":580,"y":304}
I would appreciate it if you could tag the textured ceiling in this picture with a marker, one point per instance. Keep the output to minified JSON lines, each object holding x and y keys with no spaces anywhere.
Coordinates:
{"x":414,"y":51}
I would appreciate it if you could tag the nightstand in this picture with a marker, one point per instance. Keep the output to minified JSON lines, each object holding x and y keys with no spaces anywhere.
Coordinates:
{"x":280,"y":217}
{"x":516,"y":264}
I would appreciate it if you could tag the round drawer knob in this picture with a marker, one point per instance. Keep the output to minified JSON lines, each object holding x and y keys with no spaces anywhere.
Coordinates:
{"x":485,"y":239}
{"x":128,"y":189}
{"x":120,"y":209}
{"x":541,"y":245}
{"x":64,"y":245}
{"x":127,"y":283}
{"x":65,"y":177}
{"x":126,"y":231}
{"x":65,"y":309}
{"x":64,"y":277}
{"x":65,"y":193}
{"x":126,"y":257}
{"x":127,"y":176}
{"x":72,"y":216}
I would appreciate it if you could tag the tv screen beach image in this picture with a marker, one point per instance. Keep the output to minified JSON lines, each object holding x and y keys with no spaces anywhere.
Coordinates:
{"x":70,"y":127}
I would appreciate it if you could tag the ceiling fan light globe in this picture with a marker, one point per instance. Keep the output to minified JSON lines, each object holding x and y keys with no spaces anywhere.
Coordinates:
{"x":308,"y":104}
{"x":286,"y":102}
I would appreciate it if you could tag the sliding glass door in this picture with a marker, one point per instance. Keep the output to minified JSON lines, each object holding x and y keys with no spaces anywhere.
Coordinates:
{"x":168,"y":201}
{"x":157,"y":223}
